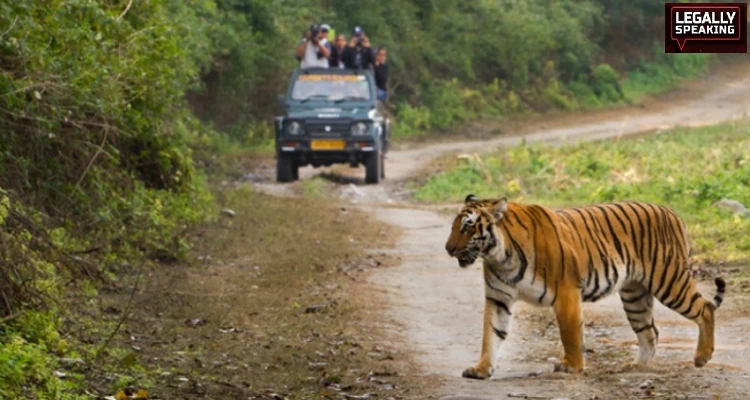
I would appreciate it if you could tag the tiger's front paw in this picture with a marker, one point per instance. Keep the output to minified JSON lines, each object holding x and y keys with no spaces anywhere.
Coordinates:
{"x":566,"y":366}
{"x":701,"y":359}
{"x":476,"y":373}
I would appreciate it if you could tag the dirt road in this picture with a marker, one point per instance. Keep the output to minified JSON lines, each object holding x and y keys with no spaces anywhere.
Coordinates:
{"x":434,"y":308}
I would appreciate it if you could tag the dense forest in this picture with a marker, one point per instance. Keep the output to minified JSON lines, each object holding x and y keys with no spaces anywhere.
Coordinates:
{"x":112,"y":110}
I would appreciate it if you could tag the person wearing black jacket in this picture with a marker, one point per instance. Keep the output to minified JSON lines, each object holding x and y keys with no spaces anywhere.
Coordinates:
{"x":358,"y":54}
{"x":337,"y":50}
{"x":381,"y":73}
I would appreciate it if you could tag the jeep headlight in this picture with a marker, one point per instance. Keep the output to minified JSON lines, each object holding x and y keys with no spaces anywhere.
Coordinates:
{"x":294,"y":128}
{"x":359,"y":129}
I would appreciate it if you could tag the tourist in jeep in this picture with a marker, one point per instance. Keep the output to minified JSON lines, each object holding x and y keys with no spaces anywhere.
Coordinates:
{"x":381,"y":73}
{"x":313,"y":50}
{"x":358,"y":54}
{"x":337,"y":50}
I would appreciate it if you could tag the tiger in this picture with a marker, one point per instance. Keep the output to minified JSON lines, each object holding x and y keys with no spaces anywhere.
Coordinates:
{"x":561,"y":258}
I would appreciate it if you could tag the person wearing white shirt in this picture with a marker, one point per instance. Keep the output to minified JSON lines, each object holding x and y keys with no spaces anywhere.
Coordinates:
{"x":313,"y":51}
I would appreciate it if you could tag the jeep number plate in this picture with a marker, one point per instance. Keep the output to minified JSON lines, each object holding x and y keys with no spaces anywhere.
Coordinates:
{"x":327,"y":145}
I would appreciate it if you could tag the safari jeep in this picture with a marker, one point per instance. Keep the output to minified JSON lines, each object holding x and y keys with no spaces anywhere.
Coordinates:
{"x":331,"y":116}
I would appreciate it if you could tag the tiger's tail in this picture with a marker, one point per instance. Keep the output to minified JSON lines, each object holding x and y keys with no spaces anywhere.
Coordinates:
{"x":720,"y":288}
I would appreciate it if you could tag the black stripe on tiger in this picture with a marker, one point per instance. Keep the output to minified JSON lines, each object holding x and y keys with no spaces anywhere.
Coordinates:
{"x":500,"y":304}
{"x":639,"y":245}
{"x":636,"y":298}
{"x":524,"y":261}
{"x":539,"y":210}
{"x":636,"y":311}
{"x":668,"y":287}
{"x":648,"y":232}
{"x":720,"y":288}
{"x":500,"y":333}
{"x":686,"y":313}
{"x":533,"y":230}
{"x":591,"y":268}
{"x":639,"y":330}
{"x":493,"y":287}
{"x":681,"y":295}
{"x":613,"y":235}
{"x":631,"y":257}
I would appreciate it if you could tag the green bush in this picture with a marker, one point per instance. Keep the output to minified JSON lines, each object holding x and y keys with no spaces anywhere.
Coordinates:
{"x":29,"y":350}
{"x":664,"y":71}
{"x":89,"y":136}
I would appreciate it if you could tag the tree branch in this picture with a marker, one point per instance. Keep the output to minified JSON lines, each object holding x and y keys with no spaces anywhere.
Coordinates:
{"x":130,"y":3}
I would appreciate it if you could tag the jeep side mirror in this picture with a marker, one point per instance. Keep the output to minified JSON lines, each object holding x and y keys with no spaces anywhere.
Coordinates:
{"x":282,"y":101}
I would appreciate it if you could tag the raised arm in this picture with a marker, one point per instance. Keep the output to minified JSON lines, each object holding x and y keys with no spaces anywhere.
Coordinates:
{"x":301,"y":49}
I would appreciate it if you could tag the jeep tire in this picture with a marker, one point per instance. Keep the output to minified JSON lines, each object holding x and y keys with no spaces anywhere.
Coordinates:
{"x":373,"y":167}
{"x":285,"y":168}
{"x":295,"y":170}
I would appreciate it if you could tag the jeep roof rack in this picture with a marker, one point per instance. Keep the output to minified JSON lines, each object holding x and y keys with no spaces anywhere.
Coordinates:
{"x":342,"y":71}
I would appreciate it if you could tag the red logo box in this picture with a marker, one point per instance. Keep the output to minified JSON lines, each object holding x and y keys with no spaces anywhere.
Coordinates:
{"x":705,"y":28}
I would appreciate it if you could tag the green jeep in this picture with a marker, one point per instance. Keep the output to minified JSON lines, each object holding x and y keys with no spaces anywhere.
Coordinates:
{"x":331,"y":116}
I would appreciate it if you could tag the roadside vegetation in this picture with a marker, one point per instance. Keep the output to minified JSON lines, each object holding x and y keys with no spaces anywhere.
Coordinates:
{"x":96,"y":176}
{"x":118,"y":118}
{"x":688,"y":170}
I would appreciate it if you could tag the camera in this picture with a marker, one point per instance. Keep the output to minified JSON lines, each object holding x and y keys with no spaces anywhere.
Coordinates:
{"x":358,"y":33}
{"x":314,"y":30}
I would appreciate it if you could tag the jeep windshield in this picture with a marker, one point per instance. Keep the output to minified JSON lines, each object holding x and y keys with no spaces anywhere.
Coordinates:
{"x":330,"y":87}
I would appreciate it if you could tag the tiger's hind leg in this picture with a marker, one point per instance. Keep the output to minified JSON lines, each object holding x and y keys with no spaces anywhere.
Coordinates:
{"x":639,"y":307}
{"x":687,"y":301}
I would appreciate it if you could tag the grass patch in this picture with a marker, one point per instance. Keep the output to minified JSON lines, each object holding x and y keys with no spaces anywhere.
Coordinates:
{"x":685,"y":169}
{"x":664,"y":73}
{"x":268,"y":302}
{"x":315,"y":188}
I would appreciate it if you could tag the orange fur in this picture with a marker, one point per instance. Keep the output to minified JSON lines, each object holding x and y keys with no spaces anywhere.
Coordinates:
{"x":561,"y":258}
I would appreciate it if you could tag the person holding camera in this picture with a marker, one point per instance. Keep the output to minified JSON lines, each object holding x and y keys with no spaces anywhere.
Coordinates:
{"x":358,"y":54}
{"x":313,"y":51}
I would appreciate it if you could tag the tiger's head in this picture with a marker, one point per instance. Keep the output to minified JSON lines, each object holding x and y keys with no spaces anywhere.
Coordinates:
{"x":473,"y":233}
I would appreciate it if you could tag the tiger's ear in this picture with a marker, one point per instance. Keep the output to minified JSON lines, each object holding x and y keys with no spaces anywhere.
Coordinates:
{"x":500,"y":208}
{"x":470,"y":198}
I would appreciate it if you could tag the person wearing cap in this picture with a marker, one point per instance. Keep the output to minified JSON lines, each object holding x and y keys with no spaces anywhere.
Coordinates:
{"x":358,"y":54}
{"x":324,"y":30}
{"x":314,"y":50}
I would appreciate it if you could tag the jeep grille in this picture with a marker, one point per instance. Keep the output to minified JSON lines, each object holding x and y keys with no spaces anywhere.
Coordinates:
{"x":322,"y":127}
